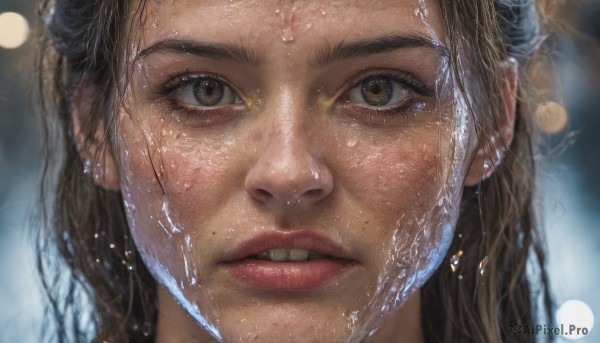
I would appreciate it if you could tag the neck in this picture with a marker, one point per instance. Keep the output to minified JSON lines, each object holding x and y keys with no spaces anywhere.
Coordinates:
{"x":175,"y":326}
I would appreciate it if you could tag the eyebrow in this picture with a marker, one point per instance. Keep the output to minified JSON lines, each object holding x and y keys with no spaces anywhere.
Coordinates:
{"x":343,"y":50}
{"x":324,"y":56}
{"x":228,"y":51}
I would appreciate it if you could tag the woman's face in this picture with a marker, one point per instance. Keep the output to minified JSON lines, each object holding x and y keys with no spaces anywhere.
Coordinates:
{"x":289,"y":168}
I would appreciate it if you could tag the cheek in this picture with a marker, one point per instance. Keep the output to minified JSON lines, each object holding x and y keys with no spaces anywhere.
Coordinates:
{"x":396,"y":187}
{"x":397,"y":178}
{"x":167,"y":166}
{"x":198,"y":178}
{"x":169,"y":182}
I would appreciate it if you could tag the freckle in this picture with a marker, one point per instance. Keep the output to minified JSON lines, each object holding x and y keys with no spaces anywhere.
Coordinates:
{"x":214,"y":233}
{"x":366,"y":222}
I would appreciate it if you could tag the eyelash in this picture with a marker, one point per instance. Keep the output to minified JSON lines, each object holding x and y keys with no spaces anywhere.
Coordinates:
{"x":412,"y":83}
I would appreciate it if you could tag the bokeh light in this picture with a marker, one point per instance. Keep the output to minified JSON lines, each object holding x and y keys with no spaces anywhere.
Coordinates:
{"x":577,"y":319}
{"x":14,"y":30}
{"x":551,"y":117}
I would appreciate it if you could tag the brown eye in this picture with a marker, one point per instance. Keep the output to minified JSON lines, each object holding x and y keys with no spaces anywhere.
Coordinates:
{"x":206,"y":92}
{"x":378,"y":90}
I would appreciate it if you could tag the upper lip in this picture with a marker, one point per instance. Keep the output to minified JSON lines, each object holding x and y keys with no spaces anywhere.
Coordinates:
{"x":303,"y":239}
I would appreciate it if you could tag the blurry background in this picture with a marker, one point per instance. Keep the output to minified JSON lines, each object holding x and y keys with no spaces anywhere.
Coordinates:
{"x":569,"y":177}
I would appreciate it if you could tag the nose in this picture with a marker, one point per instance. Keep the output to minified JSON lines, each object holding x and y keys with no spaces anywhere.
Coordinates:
{"x":287,"y":173}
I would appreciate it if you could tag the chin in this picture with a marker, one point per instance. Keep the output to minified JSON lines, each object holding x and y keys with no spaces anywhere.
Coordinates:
{"x":286,"y":322}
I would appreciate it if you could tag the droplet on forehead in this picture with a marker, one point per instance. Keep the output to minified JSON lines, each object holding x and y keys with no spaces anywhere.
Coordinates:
{"x":287,"y":35}
{"x":287,"y":26}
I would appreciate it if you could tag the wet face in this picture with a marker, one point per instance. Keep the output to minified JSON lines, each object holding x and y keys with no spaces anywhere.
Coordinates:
{"x":287,"y":166}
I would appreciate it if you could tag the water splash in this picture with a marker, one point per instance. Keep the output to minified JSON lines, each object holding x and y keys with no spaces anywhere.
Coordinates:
{"x":169,"y":227}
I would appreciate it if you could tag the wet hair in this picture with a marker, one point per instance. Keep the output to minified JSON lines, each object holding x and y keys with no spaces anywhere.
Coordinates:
{"x":82,"y":43}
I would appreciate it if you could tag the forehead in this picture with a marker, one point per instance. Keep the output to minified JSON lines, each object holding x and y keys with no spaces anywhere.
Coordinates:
{"x":263,"y":23}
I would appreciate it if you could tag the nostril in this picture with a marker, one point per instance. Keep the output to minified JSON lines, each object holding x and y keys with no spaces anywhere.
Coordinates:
{"x":261,"y":194}
{"x":313,"y":193}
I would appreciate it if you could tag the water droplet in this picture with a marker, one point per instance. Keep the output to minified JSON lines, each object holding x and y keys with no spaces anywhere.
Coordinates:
{"x":187,"y":185}
{"x":460,"y":235}
{"x":486,"y":164}
{"x":421,"y":106}
{"x":482,"y":265}
{"x":460,"y":277}
{"x":287,"y":35}
{"x":352,"y":142}
{"x":87,"y":167}
{"x":112,"y":245}
{"x":98,"y":172}
{"x":146,"y":329}
{"x":373,"y":332}
{"x":287,"y":27}
{"x":455,"y":260}
{"x":309,"y":25}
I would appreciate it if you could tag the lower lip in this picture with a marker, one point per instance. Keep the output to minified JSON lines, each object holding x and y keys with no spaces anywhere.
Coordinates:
{"x":289,"y":276}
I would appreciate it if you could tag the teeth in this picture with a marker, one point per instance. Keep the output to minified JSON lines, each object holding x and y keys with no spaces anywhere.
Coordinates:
{"x":298,"y":254}
{"x":278,"y":255}
{"x":283,"y":255}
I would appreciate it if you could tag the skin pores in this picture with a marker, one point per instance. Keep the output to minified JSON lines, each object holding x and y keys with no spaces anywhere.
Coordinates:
{"x":353,"y":149}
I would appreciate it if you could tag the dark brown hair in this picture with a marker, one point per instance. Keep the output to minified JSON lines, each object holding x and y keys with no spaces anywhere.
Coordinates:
{"x":81,"y":43}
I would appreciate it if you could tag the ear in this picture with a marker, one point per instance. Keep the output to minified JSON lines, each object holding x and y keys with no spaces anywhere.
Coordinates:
{"x":99,"y":161}
{"x":492,"y":148}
